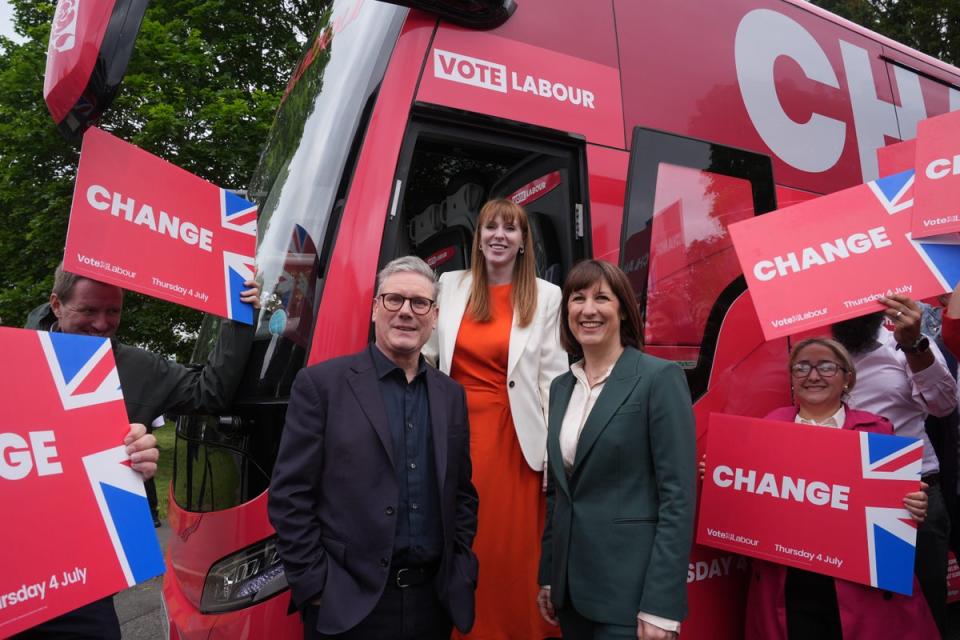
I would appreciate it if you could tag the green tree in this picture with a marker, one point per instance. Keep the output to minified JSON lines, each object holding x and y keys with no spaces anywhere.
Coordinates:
{"x":930,"y":26}
{"x":201,"y":89}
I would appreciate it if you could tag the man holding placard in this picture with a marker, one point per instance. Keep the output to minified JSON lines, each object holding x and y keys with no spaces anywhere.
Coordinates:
{"x":903,"y":377}
{"x":152,"y":385}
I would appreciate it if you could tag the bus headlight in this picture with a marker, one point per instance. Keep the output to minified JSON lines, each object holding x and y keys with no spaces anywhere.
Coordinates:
{"x":244,"y":578}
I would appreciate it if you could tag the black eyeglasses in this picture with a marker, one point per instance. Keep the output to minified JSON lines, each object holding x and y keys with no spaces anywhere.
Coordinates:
{"x":826,"y":368}
{"x":394,"y":302}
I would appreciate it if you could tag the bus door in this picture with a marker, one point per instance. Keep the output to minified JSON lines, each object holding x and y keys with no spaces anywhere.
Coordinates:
{"x":682,"y":194}
{"x":448,"y":170}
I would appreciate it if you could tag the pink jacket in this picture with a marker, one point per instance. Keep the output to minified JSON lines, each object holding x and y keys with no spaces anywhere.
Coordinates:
{"x":865,"y":612}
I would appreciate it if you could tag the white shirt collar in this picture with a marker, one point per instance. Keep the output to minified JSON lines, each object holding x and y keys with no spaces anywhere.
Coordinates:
{"x":836,"y":420}
{"x":581,"y":375}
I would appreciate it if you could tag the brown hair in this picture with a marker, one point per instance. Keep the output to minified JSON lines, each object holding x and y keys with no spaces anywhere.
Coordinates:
{"x":589,"y":273}
{"x":838,"y":350}
{"x":64,"y":283}
{"x":524,"y":292}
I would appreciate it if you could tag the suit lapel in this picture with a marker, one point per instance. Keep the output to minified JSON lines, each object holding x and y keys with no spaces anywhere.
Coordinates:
{"x":365,"y":385}
{"x":518,"y":342}
{"x":621,"y":383}
{"x":559,"y":400}
{"x":455,"y":294}
{"x":438,"y":425}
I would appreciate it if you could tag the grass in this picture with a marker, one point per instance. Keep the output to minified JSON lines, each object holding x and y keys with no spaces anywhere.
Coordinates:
{"x":218,"y":479}
{"x":165,"y":438}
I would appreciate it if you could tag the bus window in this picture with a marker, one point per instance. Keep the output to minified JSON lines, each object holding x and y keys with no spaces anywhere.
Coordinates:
{"x":447,"y":175}
{"x":682,"y":194}
{"x":302,"y":180}
{"x":300,"y":185}
{"x":691,"y":255}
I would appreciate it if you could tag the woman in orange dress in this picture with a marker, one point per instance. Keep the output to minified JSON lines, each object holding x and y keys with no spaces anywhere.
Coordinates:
{"x":497,"y":335}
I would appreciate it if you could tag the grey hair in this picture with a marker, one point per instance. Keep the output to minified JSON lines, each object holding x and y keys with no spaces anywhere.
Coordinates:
{"x":408,"y":264}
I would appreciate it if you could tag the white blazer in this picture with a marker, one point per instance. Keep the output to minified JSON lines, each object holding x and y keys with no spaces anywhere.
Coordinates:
{"x":534,"y":359}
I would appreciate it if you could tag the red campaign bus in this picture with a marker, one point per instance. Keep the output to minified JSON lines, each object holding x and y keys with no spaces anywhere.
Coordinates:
{"x":634,"y":132}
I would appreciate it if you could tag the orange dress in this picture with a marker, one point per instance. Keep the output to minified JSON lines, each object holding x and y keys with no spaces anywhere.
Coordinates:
{"x":512,"y":505}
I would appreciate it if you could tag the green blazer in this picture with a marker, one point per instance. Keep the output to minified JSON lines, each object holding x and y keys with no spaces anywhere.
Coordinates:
{"x":619,"y":527}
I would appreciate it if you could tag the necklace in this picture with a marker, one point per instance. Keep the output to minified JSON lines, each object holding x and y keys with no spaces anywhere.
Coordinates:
{"x":608,"y":361}
{"x":592,"y":378}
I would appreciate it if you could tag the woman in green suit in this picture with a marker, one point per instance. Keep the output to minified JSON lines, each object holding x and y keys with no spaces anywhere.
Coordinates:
{"x":622,"y":471}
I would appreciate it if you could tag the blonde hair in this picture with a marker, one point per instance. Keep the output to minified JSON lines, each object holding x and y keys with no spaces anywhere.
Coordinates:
{"x":524,"y":292}
{"x":838,"y":350}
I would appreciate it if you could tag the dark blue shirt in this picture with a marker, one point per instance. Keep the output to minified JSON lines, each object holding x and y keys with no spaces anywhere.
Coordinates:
{"x":419,"y":538}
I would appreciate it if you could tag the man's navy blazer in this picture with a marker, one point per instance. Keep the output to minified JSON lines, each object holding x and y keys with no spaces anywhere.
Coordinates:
{"x":334,"y":493}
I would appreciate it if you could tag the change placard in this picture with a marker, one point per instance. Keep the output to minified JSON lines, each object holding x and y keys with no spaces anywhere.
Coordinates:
{"x":77,"y":524}
{"x":833,"y":257}
{"x":144,"y":224}
{"x":937,"y":190}
{"x":817,"y":498}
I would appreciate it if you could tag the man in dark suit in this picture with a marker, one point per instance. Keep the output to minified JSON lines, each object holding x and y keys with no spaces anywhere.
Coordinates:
{"x":371,"y":495}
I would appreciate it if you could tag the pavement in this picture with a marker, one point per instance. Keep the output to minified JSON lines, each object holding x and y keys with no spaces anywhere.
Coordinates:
{"x":139,"y":608}
{"x":141,"y":616}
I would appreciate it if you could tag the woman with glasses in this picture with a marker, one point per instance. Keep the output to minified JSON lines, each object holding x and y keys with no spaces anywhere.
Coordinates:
{"x":497,"y":336}
{"x":791,"y":603}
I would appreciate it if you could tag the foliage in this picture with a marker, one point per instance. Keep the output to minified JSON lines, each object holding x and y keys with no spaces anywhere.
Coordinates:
{"x":201,"y":88}
{"x":166,"y":441}
{"x":930,"y":26}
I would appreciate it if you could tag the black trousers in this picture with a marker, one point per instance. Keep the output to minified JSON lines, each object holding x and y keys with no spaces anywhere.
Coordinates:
{"x":812,"y":609}
{"x":94,"y":621}
{"x":933,"y":544}
{"x":150,"y":487}
{"x":411,"y":613}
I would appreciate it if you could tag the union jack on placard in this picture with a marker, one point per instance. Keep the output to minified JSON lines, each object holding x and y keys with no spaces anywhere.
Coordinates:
{"x":886,"y":457}
{"x":894,"y":192}
{"x":82,"y":367}
{"x":238,"y":268}
{"x":943,"y":260}
{"x":891,"y":532}
{"x":120,"y":495}
{"x":237,"y":214}
{"x":891,"y":545}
